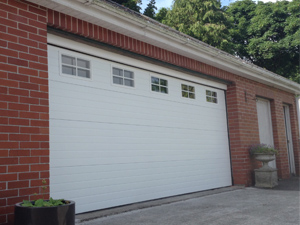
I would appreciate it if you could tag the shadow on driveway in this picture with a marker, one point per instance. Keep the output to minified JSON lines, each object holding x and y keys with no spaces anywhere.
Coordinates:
{"x":292,"y":184}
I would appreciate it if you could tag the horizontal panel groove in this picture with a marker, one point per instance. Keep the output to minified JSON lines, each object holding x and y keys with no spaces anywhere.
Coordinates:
{"x":138,"y":125}
{"x":167,"y":182}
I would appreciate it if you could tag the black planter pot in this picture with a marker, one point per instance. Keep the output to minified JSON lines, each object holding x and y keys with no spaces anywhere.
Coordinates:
{"x":55,"y":215}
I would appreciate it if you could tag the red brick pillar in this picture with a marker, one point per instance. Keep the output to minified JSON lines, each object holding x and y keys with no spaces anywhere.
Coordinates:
{"x":24,"y":111}
{"x":243,"y":129}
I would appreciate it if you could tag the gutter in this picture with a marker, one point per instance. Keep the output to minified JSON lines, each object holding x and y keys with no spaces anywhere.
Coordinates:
{"x":122,"y":20}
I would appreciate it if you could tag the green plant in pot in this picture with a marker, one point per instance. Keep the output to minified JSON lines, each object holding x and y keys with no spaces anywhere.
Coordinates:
{"x":45,"y":212}
{"x":262,"y":149}
{"x":264,"y":153}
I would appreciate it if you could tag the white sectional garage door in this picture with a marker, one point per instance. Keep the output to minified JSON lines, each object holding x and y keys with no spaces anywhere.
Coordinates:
{"x":113,"y":144}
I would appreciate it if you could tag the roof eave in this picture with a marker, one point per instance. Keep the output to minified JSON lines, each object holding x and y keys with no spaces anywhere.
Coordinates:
{"x":137,"y":26}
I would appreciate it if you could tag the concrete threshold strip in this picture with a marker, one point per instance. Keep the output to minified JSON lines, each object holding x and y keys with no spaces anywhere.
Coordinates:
{"x":141,"y":205}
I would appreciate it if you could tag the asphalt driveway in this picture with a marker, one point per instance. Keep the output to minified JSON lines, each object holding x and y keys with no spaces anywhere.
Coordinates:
{"x":246,"y":206}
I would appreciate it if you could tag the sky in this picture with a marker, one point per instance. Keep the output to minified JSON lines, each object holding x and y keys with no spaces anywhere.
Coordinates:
{"x":167,"y":3}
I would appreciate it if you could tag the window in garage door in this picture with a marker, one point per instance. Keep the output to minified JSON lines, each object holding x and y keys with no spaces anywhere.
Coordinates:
{"x":188,"y":91}
{"x":123,"y":77}
{"x":75,"y":66}
{"x":159,"y":85}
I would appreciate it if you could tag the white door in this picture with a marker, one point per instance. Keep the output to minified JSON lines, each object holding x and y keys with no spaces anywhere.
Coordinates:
{"x":113,"y":144}
{"x":289,"y":140}
{"x":265,"y":124}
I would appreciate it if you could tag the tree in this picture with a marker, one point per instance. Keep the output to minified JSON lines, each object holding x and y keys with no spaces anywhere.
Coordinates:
{"x":201,"y":19}
{"x":240,"y":15}
{"x":161,"y":15}
{"x":293,"y":31}
{"x":131,"y":4}
{"x":150,"y":9}
{"x":268,"y":34}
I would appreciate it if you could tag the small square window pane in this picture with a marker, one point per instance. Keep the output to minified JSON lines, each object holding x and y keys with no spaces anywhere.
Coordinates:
{"x":118,"y":72}
{"x":184,"y":87}
{"x":214,"y":100}
{"x":163,"y":82}
{"x":208,"y":93}
{"x":68,"y":70}
{"x":155,"y":88}
{"x":191,"y":89}
{"x":192,"y":95}
{"x":185,"y":94}
{"x":128,"y":74}
{"x":68,"y":60}
{"x":118,"y":80}
{"x":208,"y":99}
{"x":214,"y":94}
{"x":83,"y":73}
{"x":154,"y":80}
{"x":164,"y":90}
{"x":129,"y":83}
{"x":83,"y":63}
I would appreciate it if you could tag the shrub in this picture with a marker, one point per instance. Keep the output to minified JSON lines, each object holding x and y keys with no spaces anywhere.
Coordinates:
{"x":262,"y":148}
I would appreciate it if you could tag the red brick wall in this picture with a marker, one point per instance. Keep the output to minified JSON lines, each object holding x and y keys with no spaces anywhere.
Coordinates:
{"x":243,"y":128}
{"x":24,"y":111}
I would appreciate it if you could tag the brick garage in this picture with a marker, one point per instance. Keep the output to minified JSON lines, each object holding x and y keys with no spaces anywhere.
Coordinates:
{"x":24,"y":98}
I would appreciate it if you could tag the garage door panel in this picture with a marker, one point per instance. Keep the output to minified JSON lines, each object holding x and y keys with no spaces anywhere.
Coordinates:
{"x":113,"y":143}
{"x":132,"y":96}
{"x":72,"y":135}
{"x":180,"y":135}
{"x":131,"y":179}
{"x":69,"y":130}
{"x":61,"y":170}
{"x":118,"y":145}
{"x":137,"y":183}
{"x":182,"y":124}
{"x":182,"y":121}
{"x":114,"y":147}
{"x":120,"y":189}
{"x":104,"y":173}
{"x":102,"y":154}
{"x":147,"y":194}
{"x":142,"y":151}
{"x":133,"y":103}
{"x":134,"y":112}
{"x":68,"y":105}
{"x":66,"y":161}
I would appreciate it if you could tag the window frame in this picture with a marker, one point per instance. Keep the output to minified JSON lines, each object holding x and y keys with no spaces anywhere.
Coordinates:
{"x":159,"y":85}
{"x":123,"y":77}
{"x":61,"y":54}
{"x":187,"y":91}
{"x":211,"y":96}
